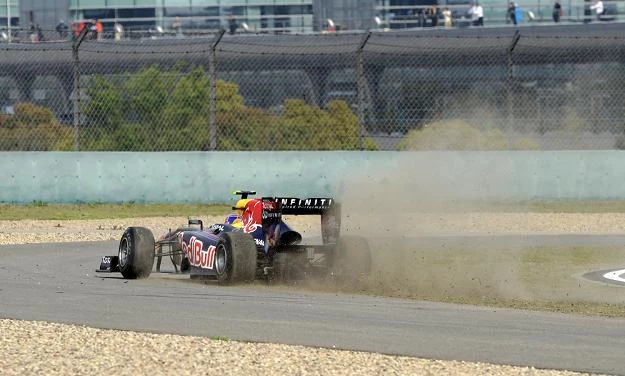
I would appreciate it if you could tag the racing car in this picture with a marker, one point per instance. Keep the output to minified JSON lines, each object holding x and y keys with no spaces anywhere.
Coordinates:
{"x":252,"y":243}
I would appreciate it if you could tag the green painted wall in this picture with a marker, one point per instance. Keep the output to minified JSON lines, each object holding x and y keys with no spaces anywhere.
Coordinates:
{"x":210,"y":177}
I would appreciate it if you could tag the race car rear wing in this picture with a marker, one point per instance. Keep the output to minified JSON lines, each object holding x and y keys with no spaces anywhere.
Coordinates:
{"x":326,"y":207}
{"x":306,"y":206}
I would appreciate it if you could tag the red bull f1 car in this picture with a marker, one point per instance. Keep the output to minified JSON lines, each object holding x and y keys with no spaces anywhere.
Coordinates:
{"x":252,"y":243}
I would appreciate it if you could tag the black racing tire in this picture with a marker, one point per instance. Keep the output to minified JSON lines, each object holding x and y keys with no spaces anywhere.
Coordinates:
{"x":352,"y":258}
{"x":235,"y":258}
{"x":136,"y":253}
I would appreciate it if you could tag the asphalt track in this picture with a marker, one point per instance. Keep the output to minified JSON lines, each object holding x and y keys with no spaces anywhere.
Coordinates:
{"x":57,"y":283}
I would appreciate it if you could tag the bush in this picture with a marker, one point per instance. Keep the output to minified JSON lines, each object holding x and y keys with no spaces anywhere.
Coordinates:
{"x":34,"y":128}
{"x":459,"y":135}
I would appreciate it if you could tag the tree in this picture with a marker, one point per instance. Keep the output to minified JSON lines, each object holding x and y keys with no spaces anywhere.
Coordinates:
{"x":34,"y":128}
{"x":106,"y":106}
{"x":305,"y":127}
{"x":170,"y":110}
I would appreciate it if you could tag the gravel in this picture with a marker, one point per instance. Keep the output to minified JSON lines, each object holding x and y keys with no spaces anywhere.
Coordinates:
{"x":42,"y":348}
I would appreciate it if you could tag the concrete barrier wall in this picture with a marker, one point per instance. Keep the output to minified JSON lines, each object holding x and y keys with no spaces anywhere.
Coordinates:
{"x":210,"y":177}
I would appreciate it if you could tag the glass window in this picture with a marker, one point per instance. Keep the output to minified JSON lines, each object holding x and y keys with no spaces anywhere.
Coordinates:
{"x":98,"y":13}
{"x":177,"y":12}
{"x":120,"y":3}
{"x":91,"y":3}
{"x":177,"y":3}
{"x":239,"y":11}
{"x":291,"y":2}
{"x":205,"y":11}
{"x":137,"y":13}
{"x":145,"y":3}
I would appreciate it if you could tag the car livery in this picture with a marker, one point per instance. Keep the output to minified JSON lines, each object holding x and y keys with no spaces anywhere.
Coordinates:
{"x":252,"y":243}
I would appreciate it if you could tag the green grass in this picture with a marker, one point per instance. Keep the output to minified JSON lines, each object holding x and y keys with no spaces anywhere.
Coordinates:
{"x":40,"y":210}
{"x":503,"y":275}
{"x":43,"y":210}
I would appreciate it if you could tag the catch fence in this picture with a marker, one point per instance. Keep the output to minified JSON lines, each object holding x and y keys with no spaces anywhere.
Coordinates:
{"x":471,"y":89}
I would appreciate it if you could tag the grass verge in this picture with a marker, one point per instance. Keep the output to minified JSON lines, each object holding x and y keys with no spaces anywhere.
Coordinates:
{"x":43,"y":211}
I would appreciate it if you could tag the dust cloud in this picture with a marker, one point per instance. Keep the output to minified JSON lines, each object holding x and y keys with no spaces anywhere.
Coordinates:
{"x":400,"y":212}
{"x":404,"y":214}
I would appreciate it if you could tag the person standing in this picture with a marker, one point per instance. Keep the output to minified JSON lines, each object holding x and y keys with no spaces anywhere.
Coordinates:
{"x":40,"y":36}
{"x":598,"y":7}
{"x":93,"y":30}
{"x":177,"y":26}
{"x":476,"y":12}
{"x":33,"y":35}
{"x":62,"y":29}
{"x":512,"y":12}
{"x":99,"y":29}
{"x":119,"y":31}
{"x":447,"y":17}
{"x":557,"y":11}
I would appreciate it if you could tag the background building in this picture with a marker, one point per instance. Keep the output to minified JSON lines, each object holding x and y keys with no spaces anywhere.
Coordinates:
{"x":252,"y":15}
{"x":346,"y":14}
{"x":9,"y":9}
{"x":45,"y":13}
{"x":278,"y":16}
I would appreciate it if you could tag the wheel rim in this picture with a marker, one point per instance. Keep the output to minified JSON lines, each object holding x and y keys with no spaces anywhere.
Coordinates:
{"x":123,"y":253}
{"x":221,"y":259}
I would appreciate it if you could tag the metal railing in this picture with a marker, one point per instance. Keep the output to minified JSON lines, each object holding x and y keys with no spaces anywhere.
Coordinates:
{"x":407,"y":90}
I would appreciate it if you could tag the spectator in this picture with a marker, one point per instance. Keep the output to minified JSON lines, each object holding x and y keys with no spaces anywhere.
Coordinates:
{"x":99,"y":29}
{"x":598,"y":7}
{"x":77,"y":28}
{"x":512,"y":12}
{"x":119,"y":31}
{"x":40,"y":36}
{"x":518,"y":14}
{"x":476,"y":12}
{"x":62,"y":29}
{"x":557,"y":11}
{"x":433,"y":13}
{"x":93,"y":29}
{"x":232,"y":24}
{"x":447,"y":17}
{"x":32,"y":33}
{"x":177,"y":26}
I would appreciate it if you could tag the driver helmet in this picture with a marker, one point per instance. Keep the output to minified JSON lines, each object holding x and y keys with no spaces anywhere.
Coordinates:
{"x":236,"y":219}
{"x":240,"y":205}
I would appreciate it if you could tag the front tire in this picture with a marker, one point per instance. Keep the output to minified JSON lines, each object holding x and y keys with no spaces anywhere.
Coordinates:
{"x":136,"y":253}
{"x":235,"y":258}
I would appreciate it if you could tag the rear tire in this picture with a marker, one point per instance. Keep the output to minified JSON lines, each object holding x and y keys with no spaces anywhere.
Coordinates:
{"x":136,"y":253}
{"x":352,"y":258}
{"x":235,"y":258}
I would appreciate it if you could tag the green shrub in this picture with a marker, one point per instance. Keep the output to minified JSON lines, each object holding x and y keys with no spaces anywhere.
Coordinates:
{"x":459,"y":135}
{"x":34,"y":128}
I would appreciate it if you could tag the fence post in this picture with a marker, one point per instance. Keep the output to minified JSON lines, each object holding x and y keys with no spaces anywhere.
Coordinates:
{"x":76,"y":103}
{"x":510,"y":76}
{"x":362,"y":82}
{"x":212,"y":73}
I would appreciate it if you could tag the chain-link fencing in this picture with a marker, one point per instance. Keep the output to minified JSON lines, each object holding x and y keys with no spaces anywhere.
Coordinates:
{"x":460,"y":89}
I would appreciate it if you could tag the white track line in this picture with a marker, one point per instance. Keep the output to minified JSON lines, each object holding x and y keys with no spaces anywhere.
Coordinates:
{"x":615,"y":275}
